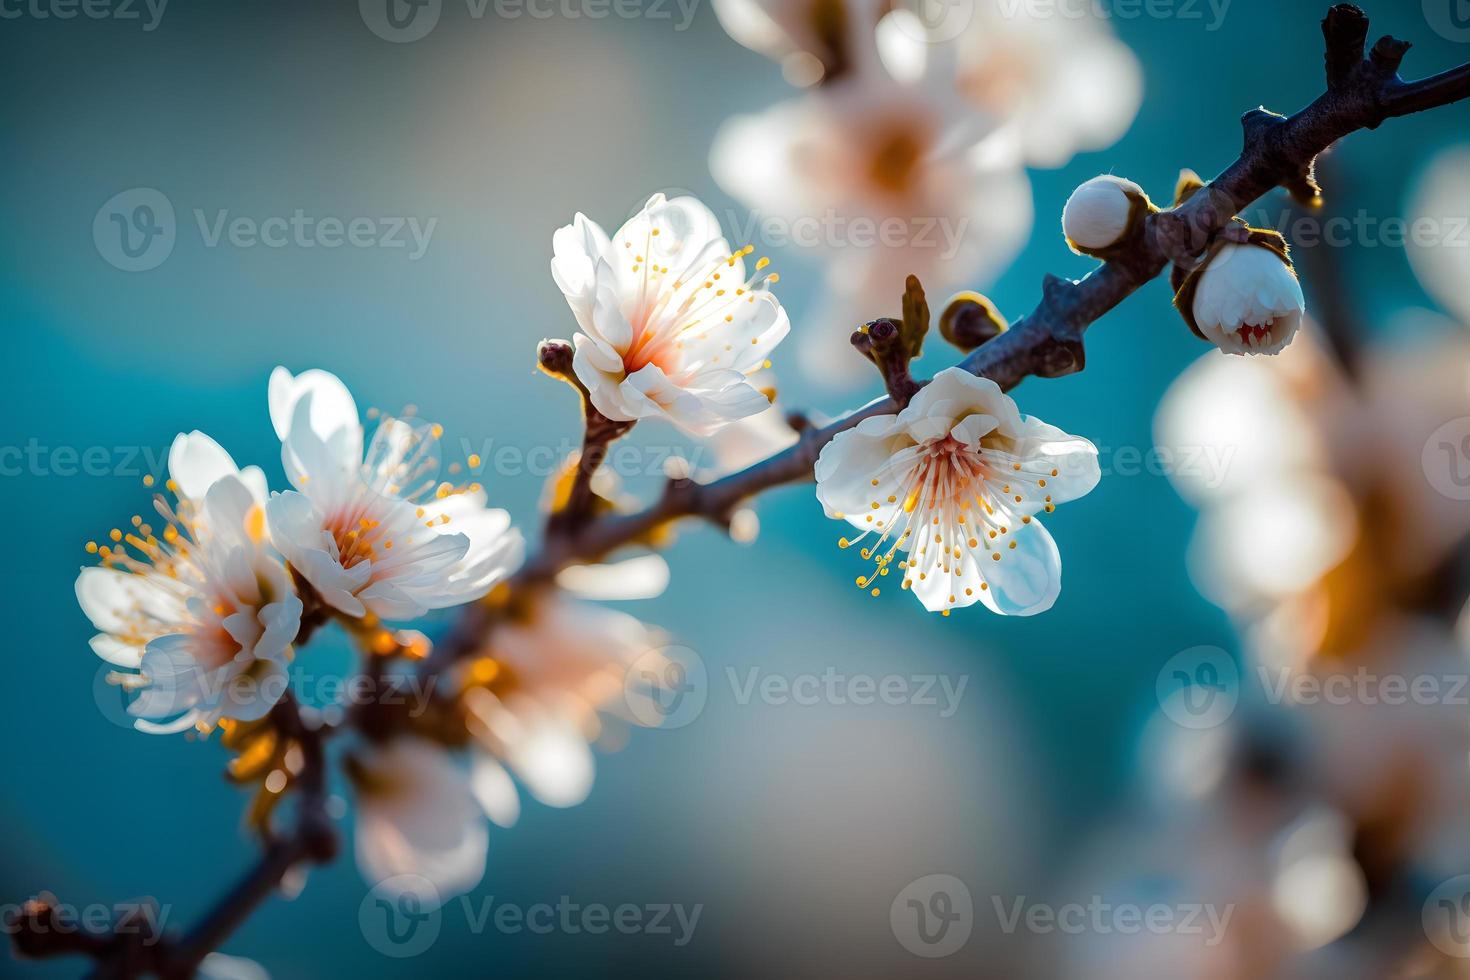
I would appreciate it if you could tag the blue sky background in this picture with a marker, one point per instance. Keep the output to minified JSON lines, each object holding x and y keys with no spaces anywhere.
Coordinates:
{"x":793,"y":826}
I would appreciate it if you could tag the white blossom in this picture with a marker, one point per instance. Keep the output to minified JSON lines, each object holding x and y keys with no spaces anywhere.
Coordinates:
{"x":201,"y":615}
{"x":1248,"y":301}
{"x":377,"y":533}
{"x":671,"y":325}
{"x":417,"y":820}
{"x":954,"y":482}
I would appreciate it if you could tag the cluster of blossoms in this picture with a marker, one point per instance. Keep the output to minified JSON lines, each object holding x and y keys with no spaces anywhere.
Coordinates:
{"x":202,"y":616}
{"x":907,"y":152}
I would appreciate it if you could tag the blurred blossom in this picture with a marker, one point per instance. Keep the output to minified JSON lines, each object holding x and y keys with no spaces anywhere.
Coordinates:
{"x":749,"y":441}
{"x":1319,"y":890}
{"x":886,"y":178}
{"x":1062,"y":84}
{"x":1253,"y":416}
{"x":1443,"y":196}
{"x":419,"y":827}
{"x":218,"y":966}
{"x":535,"y":696}
{"x":1271,"y":542}
{"x":810,"y":38}
{"x":643,"y":577}
{"x":1326,"y":483}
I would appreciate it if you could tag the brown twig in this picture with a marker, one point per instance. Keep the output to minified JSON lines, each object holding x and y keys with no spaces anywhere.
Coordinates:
{"x":131,"y":949}
{"x":1362,"y":92}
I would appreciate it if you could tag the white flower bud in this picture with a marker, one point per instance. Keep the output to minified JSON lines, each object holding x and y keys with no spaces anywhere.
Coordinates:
{"x":1097,"y":214}
{"x":1248,"y":301}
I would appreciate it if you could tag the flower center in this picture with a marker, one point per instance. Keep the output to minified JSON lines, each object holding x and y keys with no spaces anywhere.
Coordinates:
{"x":895,"y":161}
{"x":672,"y":306}
{"x":952,"y":504}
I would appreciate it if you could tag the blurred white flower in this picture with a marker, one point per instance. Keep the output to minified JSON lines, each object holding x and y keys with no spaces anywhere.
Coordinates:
{"x":1062,"y":84}
{"x":812,"y":39}
{"x":954,"y":481}
{"x":671,"y":327}
{"x":204,"y":611}
{"x":883,"y":179}
{"x":749,"y":441}
{"x":379,"y":534}
{"x":1291,"y":463}
{"x":1441,"y":202}
{"x":535,"y":695}
{"x":1059,"y":84}
{"x":417,"y":820}
{"x":1248,"y":301}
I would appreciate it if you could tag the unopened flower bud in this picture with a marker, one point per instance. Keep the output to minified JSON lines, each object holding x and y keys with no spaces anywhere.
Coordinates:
{"x":555,"y":357}
{"x":970,"y":320}
{"x":1100,"y":214}
{"x":1245,"y":298}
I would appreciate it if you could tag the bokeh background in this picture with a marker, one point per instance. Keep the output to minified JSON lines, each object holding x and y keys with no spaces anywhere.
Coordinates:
{"x":794,"y":826}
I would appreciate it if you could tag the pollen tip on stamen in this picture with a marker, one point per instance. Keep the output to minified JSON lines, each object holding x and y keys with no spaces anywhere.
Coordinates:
{"x":148,"y":480}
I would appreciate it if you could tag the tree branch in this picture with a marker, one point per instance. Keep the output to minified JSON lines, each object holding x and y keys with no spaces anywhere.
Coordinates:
{"x":130,"y":948}
{"x":1361,"y":93}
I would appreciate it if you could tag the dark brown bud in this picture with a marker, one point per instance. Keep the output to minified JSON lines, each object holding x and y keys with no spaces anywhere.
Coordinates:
{"x":970,"y":320}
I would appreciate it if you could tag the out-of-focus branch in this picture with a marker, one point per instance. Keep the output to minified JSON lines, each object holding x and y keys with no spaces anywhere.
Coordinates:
{"x":1362,"y":92}
{"x":1280,"y":151}
{"x":130,"y":948}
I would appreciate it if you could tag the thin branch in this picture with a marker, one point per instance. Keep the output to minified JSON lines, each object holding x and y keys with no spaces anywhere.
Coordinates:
{"x":1362,"y":92}
{"x":131,"y":949}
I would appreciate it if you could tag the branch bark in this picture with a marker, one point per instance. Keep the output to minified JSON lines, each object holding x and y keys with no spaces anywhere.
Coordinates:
{"x":1362,"y":92}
